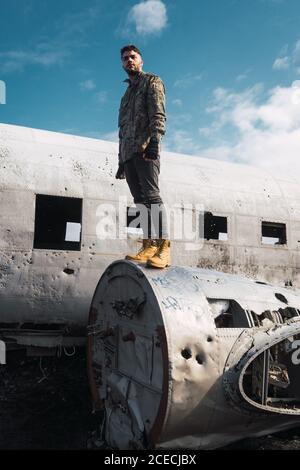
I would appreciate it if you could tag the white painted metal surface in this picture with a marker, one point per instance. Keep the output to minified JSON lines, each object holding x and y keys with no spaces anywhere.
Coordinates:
{"x":41,"y":287}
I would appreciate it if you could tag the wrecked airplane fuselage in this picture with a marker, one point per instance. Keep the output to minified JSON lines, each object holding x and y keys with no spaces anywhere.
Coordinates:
{"x":191,"y":358}
{"x":54,"y":189}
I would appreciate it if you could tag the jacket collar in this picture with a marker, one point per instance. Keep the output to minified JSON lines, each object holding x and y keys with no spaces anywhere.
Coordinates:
{"x":137,"y":79}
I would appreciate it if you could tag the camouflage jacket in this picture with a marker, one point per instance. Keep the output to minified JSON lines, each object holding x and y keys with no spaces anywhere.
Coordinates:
{"x":141,"y":115}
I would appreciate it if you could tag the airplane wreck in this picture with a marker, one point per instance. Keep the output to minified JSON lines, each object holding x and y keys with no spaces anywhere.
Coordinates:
{"x":196,"y":356}
{"x":192,"y":358}
{"x":51,"y":188}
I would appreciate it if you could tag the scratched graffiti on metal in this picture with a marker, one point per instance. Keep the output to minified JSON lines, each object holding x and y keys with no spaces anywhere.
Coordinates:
{"x":130,"y":308}
{"x":171,"y":302}
{"x":162,"y":282}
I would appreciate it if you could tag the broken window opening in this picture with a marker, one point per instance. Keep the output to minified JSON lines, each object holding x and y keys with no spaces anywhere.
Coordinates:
{"x":288,"y":313}
{"x":273,"y":233}
{"x":215,"y":227}
{"x":271,"y":317}
{"x":272,"y":379}
{"x":58,"y":222}
{"x":229,"y":314}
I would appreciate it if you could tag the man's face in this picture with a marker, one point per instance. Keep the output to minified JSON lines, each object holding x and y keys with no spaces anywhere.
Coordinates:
{"x":132,"y":62}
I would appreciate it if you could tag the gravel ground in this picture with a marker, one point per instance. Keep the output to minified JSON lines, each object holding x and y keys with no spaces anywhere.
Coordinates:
{"x":45,"y":404}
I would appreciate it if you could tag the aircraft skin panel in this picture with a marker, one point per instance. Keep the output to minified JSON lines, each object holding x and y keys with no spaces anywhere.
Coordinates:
{"x":83,"y":156}
{"x":36,"y":162}
{"x":159,"y":341}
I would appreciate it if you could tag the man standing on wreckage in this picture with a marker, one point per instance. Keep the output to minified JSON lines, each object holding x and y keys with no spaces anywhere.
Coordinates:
{"x":141,"y":124}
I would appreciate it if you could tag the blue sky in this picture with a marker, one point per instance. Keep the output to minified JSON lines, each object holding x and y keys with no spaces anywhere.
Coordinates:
{"x":231,"y":70}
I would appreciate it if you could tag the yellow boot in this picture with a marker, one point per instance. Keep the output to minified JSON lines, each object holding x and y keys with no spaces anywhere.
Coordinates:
{"x":162,"y":258}
{"x":148,"y":250}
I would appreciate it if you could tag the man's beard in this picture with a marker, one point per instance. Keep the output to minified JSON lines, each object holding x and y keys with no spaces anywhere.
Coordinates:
{"x":133,"y":72}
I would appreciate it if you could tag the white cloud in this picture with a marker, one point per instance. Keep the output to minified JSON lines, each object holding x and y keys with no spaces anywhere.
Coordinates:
{"x":78,"y":23}
{"x":267,"y":130}
{"x":180,"y":141}
{"x":255,"y":127}
{"x":285,"y":61}
{"x":148,"y":17}
{"x":281,"y":63}
{"x":187,"y":80}
{"x":101,"y":96}
{"x":16,"y":60}
{"x":296,"y":52}
{"x":205,"y":131}
{"x":176,"y":119}
{"x":177,"y":102}
{"x":280,"y":111}
{"x":243,"y":76}
{"x":68,"y":34}
{"x":87,"y":85}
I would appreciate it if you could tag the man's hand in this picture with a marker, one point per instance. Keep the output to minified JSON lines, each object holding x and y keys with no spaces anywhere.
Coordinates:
{"x":152,"y":150}
{"x":120,"y":175}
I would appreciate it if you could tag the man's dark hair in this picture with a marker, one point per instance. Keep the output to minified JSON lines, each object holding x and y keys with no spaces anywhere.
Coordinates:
{"x":130,"y":47}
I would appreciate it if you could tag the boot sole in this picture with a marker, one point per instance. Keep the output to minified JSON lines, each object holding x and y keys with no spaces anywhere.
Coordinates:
{"x":136,"y":260}
{"x":155,"y":266}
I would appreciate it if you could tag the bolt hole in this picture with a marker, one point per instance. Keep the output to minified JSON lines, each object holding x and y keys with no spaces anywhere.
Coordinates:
{"x":281,"y":298}
{"x":199,"y":359}
{"x":186,"y":353}
{"x":68,"y":271}
{"x":209,"y":339}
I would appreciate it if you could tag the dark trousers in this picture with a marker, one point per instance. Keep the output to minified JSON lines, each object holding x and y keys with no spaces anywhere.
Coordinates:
{"x":142,"y":178}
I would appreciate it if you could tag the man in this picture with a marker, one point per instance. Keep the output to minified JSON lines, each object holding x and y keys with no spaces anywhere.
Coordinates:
{"x":141,"y":126}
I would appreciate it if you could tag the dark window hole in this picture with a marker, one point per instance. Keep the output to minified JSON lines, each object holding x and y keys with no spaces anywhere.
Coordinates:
{"x":213,"y":227}
{"x":57,"y":222}
{"x":273,"y":233}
